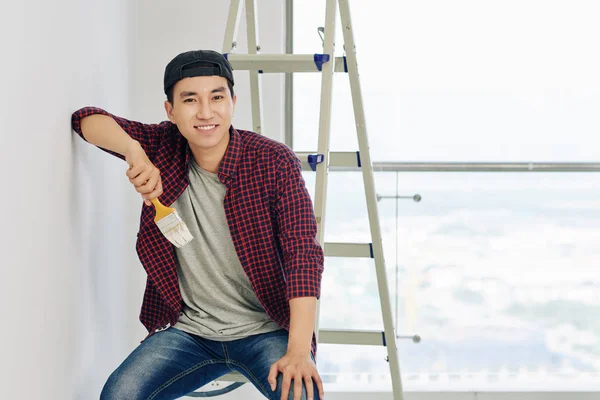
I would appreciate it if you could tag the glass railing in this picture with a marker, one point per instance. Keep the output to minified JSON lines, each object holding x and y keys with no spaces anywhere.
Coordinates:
{"x":498,"y":273}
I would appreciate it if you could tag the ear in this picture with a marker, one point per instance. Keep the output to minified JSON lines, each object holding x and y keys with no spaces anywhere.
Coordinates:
{"x":169,"y":111}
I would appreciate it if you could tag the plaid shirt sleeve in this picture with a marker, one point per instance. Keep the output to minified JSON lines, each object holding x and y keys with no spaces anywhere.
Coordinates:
{"x":302,"y":253}
{"x":148,"y":135}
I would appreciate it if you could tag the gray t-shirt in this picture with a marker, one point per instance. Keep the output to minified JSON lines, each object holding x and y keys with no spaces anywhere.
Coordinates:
{"x":218,"y":300}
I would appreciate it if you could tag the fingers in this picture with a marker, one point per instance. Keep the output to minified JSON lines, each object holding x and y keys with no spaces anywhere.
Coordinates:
{"x":141,"y":172}
{"x":302,"y":373}
{"x":146,"y":180}
{"x":285,"y":385}
{"x":319,"y":382}
{"x":298,"y":386}
{"x":158,"y":190}
{"x":146,"y":185}
{"x":272,"y":378}
{"x":132,"y":171}
{"x":144,"y":177}
{"x":308,"y":383}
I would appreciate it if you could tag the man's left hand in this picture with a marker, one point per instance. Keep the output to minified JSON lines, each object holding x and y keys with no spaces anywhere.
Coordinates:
{"x":300,"y":368}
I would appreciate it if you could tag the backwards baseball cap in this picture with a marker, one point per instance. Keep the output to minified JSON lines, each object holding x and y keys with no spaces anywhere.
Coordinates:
{"x":196,"y":63}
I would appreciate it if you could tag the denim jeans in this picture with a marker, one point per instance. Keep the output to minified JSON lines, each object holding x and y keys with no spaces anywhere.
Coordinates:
{"x":173,"y":363}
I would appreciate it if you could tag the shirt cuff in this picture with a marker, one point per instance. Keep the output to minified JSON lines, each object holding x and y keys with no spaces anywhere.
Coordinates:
{"x":304,"y":282}
{"x":82,"y":113}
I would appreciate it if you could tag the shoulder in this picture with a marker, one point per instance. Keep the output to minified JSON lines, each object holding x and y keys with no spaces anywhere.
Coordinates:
{"x":168,"y":128}
{"x":264,"y":148}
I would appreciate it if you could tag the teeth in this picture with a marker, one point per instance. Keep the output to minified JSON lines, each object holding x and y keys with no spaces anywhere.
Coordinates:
{"x":206,"y":127}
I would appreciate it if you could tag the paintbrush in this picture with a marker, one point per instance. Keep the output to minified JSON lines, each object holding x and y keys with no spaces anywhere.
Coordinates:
{"x":171,"y":225}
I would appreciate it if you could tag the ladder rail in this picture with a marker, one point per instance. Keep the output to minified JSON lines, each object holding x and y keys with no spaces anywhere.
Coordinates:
{"x":255,"y":76}
{"x":371,"y":197}
{"x":324,"y":130}
{"x":231,"y":29}
{"x":361,"y":159}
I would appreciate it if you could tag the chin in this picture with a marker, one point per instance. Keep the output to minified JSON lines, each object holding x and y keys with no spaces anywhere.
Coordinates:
{"x":207,"y":143}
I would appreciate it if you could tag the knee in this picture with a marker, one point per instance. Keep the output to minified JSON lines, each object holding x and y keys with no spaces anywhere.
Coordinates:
{"x":277,"y":394}
{"x":123,"y":387}
{"x":303,"y":396}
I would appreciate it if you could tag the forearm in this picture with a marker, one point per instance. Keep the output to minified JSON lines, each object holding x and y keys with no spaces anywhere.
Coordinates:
{"x":302,"y":324}
{"x":103,"y":131}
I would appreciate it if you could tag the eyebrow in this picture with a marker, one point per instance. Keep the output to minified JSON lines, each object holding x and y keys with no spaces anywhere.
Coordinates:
{"x":188,"y":93}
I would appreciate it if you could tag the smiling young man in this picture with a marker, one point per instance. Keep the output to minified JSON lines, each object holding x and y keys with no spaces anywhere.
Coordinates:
{"x":242,"y":295}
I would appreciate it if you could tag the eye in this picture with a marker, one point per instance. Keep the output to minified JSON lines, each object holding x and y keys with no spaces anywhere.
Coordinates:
{"x":188,"y":100}
{"x":218,"y":97}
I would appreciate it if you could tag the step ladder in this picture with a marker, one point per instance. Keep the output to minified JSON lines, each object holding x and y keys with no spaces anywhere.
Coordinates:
{"x":320,"y":161}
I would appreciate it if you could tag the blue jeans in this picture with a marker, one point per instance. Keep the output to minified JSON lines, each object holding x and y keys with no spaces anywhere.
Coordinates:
{"x":173,"y":363}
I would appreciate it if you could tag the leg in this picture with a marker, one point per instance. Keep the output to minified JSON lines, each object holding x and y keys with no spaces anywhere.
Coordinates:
{"x":167,"y":365}
{"x":254,"y":356}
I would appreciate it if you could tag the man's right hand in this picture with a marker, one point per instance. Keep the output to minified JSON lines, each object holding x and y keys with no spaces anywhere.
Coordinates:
{"x":142,"y":174}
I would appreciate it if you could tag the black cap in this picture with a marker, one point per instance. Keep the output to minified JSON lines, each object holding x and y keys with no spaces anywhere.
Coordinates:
{"x":197,"y":63}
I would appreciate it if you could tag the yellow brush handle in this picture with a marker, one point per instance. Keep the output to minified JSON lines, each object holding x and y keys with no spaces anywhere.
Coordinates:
{"x":161,"y":211}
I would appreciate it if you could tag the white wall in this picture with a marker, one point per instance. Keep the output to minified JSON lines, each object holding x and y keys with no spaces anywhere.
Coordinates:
{"x":70,"y":284}
{"x":65,"y":252}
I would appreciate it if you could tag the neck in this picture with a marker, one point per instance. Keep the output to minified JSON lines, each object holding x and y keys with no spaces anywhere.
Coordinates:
{"x":210,"y":159}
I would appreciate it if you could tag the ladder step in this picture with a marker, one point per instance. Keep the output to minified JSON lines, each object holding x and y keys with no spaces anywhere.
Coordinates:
{"x":330,"y":336}
{"x":364,"y":250}
{"x":283,"y":62}
{"x":233,"y":377}
{"x":341,"y":160}
{"x":370,"y":338}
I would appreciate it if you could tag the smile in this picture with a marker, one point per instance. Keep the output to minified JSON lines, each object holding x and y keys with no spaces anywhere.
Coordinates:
{"x":205,"y":127}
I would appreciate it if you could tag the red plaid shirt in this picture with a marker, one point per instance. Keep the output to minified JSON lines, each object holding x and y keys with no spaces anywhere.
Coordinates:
{"x":268,"y":210}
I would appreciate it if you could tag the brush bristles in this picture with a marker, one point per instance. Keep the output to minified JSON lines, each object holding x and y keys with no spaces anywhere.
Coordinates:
{"x":174,"y":229}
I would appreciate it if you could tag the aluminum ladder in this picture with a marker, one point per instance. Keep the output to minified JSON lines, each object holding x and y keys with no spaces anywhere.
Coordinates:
{"x":325,"y":63}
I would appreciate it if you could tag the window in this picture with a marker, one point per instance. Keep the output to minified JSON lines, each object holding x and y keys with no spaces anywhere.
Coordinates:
{"x":498,"y":272}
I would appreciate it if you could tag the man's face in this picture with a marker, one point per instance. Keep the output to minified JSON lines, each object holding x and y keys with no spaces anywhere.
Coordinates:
{"x":202,"y":110}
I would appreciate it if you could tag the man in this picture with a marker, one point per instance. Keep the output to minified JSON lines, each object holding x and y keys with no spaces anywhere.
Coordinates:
{"x":242,"y":295}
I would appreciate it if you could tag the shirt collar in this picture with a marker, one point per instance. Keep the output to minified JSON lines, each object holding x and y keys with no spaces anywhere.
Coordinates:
{"x":229,"y":163}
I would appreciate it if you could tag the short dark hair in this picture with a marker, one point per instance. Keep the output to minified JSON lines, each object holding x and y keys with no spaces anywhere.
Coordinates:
{"x":170,"y":91}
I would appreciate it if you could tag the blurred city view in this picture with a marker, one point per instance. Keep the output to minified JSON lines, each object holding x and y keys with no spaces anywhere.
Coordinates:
{"x":501,"y":284}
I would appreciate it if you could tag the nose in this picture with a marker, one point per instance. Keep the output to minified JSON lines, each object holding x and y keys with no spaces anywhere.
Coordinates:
{"x":205,"y":111}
